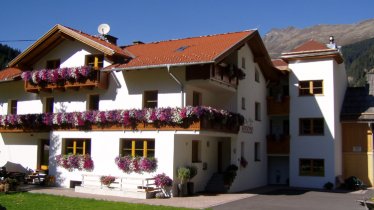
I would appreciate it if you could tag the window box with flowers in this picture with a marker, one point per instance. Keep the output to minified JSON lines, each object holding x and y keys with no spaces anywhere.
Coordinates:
{"x":173,"y":118}
{"x":62,"y":77}
{"x":129,"y":164}
{"x":71,"y":162}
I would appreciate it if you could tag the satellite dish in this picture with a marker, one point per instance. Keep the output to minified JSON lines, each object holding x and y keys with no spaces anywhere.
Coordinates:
{"x":103,"y":29}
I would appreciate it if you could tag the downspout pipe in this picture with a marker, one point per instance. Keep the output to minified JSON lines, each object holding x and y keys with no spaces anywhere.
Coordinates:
{"x":179,"y":83}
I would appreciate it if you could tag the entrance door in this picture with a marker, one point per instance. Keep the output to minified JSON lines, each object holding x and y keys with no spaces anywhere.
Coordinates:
{"x":44,"y":154}
{"x":219,"y":157}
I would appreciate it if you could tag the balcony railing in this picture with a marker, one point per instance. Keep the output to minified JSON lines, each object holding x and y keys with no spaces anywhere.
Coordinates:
{"x":278,"y":144}
{"x":278,"y":106}
{"x":62,"y":79}
{"x":188,"y":118}
{"x":228,"y":76}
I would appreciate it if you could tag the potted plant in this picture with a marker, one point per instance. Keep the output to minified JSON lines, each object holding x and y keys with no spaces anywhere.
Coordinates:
{"x":10,"y":184}
{"x":164,"y":182}
{"x":107,"y":180}
{"x":183,"y":176}
{"x":190,"y":185}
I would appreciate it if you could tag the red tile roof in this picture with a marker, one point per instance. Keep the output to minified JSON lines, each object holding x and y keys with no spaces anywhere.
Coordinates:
{"x":189,"y":50}
{"x":9,"y":73}
{"x":114,"y":47}
{"x":279,"y":62}
{"x":310,"y":45}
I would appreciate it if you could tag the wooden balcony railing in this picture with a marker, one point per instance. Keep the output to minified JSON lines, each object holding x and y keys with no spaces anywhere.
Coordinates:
{"x":200,"y":119}
{"x":278,"y":106}
{"x":220,"y":75}
{"x":278,"y":144}
{"x":100,"y":81}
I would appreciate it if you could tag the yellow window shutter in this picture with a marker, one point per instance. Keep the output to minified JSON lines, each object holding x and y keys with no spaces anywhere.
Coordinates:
{"x":74,"y":147}
{"x":133,"y":148}
{"x":145,"y":145}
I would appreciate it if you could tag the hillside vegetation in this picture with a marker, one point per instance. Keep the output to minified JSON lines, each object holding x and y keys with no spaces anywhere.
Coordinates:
{"x":358,"y":58}
{"x":7,"y":54}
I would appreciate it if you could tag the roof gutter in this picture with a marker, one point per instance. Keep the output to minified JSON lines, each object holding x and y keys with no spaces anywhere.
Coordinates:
{"x":157,"y":66}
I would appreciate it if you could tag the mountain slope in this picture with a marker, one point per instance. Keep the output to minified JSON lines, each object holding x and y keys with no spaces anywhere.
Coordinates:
{"x":284,"y":40}
{"x":358,"y":58}
{"x":7,"y":54}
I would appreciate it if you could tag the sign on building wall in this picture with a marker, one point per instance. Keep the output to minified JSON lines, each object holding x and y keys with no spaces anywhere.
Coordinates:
{"x":247,"y":127}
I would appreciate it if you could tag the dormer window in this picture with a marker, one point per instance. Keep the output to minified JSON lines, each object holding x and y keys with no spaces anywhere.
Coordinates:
{"x":95,"y":61}
{"x":53,"y":64}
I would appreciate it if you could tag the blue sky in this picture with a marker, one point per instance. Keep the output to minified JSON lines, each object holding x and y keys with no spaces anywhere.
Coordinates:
{"x":155,"y":20}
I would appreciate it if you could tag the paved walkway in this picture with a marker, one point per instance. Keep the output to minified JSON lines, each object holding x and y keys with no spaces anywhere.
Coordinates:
{"x":269,"y":197}
{"x":196,"y":202}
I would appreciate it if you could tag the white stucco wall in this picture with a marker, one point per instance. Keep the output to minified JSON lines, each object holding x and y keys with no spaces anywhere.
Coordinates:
{"x":318,"y":106}
{"x":255,"y":174}
{"x":340,"y":84}
{"x":21,"y":148}
{"x":105,"y":146}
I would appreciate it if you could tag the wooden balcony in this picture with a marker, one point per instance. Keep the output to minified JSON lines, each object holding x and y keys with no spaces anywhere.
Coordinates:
{"x":278,"y":145}
{"x":278,"y":106}
{"x":197,"y":125}
{"x":100,"y":81}
{"x":218,"y":74}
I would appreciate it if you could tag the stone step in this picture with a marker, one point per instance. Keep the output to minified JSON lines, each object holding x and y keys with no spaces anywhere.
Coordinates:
{"x":216,"y":184}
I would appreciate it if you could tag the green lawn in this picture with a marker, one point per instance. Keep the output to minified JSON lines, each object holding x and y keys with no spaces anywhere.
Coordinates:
{"x":27,"y":201}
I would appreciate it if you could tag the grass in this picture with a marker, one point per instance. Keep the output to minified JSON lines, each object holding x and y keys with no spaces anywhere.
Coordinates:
{"x":23,"y":201}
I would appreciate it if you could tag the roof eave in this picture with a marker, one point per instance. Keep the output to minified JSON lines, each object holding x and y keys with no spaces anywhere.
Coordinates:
{"x":157,"y":66}
{"x":335,"y":54}
{"x":67,"y":31}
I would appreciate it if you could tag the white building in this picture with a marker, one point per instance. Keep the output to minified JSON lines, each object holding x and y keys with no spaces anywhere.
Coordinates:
{"x":193,"y":72}
{"x":309,"y":135}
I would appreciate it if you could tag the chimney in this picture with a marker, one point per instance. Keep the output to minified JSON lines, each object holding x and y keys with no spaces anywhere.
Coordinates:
{"x":137,"y":42}
{"x":370,"y":81}
{"x":111,"y":39}
{"x":332,"y":44}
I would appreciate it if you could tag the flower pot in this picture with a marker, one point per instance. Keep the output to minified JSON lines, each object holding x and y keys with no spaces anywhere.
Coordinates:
{"x":190,"y":188}
{"x":6,"y":187}
{"x":180,"y":190}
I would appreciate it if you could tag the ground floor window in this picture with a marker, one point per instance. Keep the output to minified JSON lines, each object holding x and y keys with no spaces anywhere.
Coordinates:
{"x":76,"y":146}
{"x":257,"y":151}
{"x":311,"y":167}
{"x":196,"y":151}
{"x":137,"y":147}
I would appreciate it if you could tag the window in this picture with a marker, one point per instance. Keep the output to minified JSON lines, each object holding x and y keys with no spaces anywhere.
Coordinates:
{"x":308,"y":88}
{"x":311,"y":126}
{"x":53,"y":64}
{"x":257,"y":151}
{"x":243,"y":63}
{"x":93,"y":102}
{"x":196,"y":151}
{"x":12,"y":107}
{"x":311,"y":167}
{"x":95,"y":61}
{"x":257,"y":75}
{"x":138,"y":147}
{"x":286,"y":127}
{"x":48,"y":105}
{"x":243,"y":103}
{"x":196,"y":98}
{"x":77,"y":146}
{"x":150,"y":99}
{"x":257,"y":111}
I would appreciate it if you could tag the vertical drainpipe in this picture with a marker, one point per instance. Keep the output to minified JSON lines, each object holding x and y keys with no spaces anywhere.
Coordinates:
{"x":179,"y":83}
